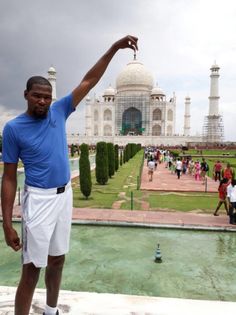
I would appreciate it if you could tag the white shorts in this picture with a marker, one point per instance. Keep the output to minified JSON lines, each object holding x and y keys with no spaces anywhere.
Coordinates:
{"x":46,"y":223}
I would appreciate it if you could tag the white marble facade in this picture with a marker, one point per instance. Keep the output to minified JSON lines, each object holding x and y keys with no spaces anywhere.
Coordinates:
{"x":133,"y":111}
{"x":134,"y":107}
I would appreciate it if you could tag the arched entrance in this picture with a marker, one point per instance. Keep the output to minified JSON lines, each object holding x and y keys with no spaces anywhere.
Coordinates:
{"x":132,"y":122}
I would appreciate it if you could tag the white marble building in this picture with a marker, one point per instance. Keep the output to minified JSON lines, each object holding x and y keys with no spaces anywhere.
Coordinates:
{"x":134,"y":111}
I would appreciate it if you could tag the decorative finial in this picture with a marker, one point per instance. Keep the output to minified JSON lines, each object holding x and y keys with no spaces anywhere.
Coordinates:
{"x":158,"y":257}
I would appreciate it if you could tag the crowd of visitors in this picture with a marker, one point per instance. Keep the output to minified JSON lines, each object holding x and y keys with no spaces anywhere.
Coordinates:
{"x":181,"y":166}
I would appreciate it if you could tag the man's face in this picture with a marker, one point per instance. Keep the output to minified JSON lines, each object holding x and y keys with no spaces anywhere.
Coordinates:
{"x":39,"y":99}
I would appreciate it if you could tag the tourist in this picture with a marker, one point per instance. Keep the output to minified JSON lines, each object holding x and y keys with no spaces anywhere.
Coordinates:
{"x":173,"y":166}
{"x":222,"y":189}
{"x":217,"y":170}
{"x":191,"y":167}
{"x":197,"y":169}
{"x":178,"y":168}
{"x":228,"y":172}
{"x":38,"y":138}
{"x":231,"y":196}
{"x":184,"y":165}
{"x":151,"y":168}
{"x":204,"y":170}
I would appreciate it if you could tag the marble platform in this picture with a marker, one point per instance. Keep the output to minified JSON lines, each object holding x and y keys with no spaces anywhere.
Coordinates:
{"x":84,"y":303}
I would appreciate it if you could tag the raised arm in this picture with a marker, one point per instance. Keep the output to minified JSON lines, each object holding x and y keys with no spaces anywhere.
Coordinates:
{"x":8,"y":192}
{"x":95,"y":73}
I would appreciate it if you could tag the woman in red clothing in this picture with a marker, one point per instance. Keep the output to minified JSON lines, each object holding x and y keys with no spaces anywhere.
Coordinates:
{"x":228,"y":172}
{"x":222,"y":196}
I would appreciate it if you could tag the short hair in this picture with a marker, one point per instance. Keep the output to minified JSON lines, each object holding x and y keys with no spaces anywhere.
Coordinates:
{"x":37,"y":80}
{"x":233,"y":182}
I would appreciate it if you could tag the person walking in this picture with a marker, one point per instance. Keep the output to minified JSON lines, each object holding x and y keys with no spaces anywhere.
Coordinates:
{"x":151,"y":168}
{"x":217,"y":171}
{"x":197,"y":170}
{"x":38,"y":138}
{"x":228,"y":172}
{"x":231,"y":196}
{"x":222,"y":189}
{"x":178,"y":167}
{"x":204,"y":170}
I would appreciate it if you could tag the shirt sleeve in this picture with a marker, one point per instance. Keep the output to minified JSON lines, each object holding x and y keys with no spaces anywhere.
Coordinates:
{"x":64,"y":106}
{"x":10,"y":147}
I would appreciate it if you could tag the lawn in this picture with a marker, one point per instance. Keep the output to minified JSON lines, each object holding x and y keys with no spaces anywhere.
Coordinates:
{"x":122,"y":183}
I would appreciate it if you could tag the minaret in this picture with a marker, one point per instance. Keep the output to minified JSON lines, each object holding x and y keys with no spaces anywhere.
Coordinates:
{"x":187,"y":116}
{"x":52,"y":79}
{"x":88,"y":117}
{"x":214,"y":91}
{"x":213,"y":128}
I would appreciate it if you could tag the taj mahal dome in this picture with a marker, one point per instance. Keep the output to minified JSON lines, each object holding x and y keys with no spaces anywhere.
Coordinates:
{"x":137,"y":111}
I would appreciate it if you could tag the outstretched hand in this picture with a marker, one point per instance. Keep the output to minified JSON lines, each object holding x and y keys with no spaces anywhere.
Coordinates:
{"x":128,"y":41}
{"x":12,"y":239}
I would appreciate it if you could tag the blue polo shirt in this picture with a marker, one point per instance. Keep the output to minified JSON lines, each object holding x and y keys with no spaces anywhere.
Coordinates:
{"x":41,"y":145}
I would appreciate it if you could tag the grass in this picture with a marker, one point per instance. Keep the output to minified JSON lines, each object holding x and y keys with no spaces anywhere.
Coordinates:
{"x":103,"y":196}
{"x":184,"y":202}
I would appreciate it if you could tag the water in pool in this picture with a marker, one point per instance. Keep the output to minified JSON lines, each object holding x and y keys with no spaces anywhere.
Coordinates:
{"x":196,"y":264}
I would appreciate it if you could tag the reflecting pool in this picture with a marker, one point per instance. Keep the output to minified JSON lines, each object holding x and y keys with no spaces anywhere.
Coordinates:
{"x":196,"y":264}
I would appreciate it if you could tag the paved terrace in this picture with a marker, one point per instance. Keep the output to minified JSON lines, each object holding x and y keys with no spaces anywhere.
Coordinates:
{"x":163,"y":180}
{"x":82,"y":303}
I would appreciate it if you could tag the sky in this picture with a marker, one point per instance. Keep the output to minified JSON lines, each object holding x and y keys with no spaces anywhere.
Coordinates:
{"x":179,"y":40}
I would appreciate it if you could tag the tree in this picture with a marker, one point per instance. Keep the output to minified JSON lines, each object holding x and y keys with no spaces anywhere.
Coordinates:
{"x":72,"y":150}
{"x":111,"y":159}
{"x":124,"y":155}
{"x":121,"y":158}
{"x":116,"y":157}
{"x":84,"y":171}
{"x":101,"y":163}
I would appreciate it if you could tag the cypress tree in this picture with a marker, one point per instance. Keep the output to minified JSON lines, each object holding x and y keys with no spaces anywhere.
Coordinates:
{"x":84,"y":171}
{"x":101,"y":170}
{"x":127,"y":152}
{"x":111,"y":159}
{"x":72,"y":150}
{"x":116,"y":157}
{"x":121,"y":158}
{"x":124,"y":155}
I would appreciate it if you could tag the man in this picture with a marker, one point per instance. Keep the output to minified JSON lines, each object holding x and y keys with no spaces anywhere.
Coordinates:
{"x":231,"y":196}
{"x":178,"y":167}
{"x":204,"y":170}
{"x":38,"y":138}
{"x":217,"y":171}
{"x":151,"y":167}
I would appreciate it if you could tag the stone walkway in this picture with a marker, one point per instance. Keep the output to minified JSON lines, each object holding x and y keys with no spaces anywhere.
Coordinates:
{"x":163,"y":180}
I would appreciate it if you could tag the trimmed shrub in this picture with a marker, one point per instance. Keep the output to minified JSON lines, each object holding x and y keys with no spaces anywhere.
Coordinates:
{"x":124,"y":155}
{"x":101,"y":170}
{"x":111,"y":159}
{"x":84,"y":171}
{"x":116,"y":147}
{"x":121,"y":158}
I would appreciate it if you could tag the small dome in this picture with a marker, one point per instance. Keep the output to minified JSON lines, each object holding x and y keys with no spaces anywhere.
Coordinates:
{"x":134,"y":75}
{"x":110,"y":91}
{"x":51,"y":70}
{"x":157,"y":91}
